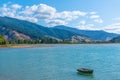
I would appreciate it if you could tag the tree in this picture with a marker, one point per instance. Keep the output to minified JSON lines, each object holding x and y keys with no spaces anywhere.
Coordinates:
{"x":48,"y":40}
{"x":2,"y":41}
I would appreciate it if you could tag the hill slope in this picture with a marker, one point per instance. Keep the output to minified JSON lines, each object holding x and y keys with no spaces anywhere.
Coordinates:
{"x":94,"y":35}
{"x":13,"y":28}
{"x":116,"y":40}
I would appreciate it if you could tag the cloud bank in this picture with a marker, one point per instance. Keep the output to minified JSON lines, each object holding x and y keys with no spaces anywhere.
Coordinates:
{"x":114,"y":28}
{"x":39,"y":12}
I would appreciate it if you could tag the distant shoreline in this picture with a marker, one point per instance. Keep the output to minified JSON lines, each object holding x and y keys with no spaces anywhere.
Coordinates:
{"x":15,"y":46}
{"x":25,"y":45}
{"x":42,"y":45}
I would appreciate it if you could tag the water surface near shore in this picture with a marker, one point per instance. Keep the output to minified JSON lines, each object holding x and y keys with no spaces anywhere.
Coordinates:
{"x":60,"y":62}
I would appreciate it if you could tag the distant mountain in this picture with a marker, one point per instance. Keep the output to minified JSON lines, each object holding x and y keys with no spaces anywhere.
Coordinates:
{"x":116,"y":40}
{"x":13,"y":29}
{"x":93,"y":34}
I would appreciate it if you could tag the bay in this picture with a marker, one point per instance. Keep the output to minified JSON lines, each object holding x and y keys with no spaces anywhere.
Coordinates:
{"x":60,"y":62}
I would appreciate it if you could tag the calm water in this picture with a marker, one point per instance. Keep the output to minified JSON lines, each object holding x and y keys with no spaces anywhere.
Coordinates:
{"x":60,"y":62}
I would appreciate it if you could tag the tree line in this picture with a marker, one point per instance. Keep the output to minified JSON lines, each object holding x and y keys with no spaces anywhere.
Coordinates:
{"x":44,"y":40}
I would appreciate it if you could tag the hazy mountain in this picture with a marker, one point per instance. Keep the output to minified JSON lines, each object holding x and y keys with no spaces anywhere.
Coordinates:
{"x":116,"y":40}
{"x":93,"y":34}
{"x":12,"y":28}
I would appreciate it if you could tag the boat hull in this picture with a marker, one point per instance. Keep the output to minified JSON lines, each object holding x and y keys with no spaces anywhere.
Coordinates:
{"x":84,"y":70}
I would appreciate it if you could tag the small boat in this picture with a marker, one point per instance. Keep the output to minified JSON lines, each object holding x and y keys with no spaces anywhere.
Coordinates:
{"x":85,"y":70}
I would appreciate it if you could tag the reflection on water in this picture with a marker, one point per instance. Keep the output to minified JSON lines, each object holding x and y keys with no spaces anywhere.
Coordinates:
{"x":90,"y":75}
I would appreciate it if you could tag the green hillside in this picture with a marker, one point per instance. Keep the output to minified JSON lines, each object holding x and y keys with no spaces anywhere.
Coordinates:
{"x":20,"y":29}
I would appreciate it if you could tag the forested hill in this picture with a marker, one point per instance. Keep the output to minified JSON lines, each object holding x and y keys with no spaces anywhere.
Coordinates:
{"x":93,"y":34}
{"x":12,"y":29}
{"x":15,"y":29}
{"x":116,"y":40}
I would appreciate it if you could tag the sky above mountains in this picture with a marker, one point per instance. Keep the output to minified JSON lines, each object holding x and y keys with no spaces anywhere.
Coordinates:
{"x":81,"y":14}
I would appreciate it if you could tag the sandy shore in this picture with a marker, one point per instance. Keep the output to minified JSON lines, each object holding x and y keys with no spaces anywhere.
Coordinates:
{"x":44,"y":45}
{"x":15,"y":46}
{"x":26,"y":45}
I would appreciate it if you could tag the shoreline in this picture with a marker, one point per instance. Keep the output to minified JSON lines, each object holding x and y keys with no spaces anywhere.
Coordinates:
{"x":26,"y":45}
{"x":46,"y":45}
{"x":15,"y":46}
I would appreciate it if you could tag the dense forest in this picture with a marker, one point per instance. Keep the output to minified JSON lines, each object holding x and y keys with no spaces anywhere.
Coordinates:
{"x":34,"y":41}
{"x":45,"y":40}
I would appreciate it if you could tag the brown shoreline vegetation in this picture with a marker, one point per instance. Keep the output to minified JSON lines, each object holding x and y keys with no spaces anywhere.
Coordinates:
{"x":40,"y":45}
{"x":26,"y":45}
{"x":15,"y":46}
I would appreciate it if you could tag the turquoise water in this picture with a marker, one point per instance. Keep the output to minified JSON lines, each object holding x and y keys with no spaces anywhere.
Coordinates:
{"x":60,"y":62}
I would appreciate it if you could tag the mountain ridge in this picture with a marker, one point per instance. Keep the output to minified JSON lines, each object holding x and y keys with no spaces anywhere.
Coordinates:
{"x":115,"y":40}
{"x":13,"y":28}
{"x":93,"y":34}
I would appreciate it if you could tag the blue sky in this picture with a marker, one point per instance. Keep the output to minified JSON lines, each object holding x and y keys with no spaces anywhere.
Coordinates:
{"x":81,"y":14}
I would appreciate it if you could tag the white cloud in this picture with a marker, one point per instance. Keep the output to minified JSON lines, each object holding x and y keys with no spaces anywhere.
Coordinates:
{"x":16,"y":6}
{"x":94,"y":16}
{"x":117,"y":18}
{"x":83,"y":22}
{"x":9,"y":10}
{"x":98,"y":20}
{"x":114,"y":28}
{"x":85,"y":26}
{"x":55,"y":22}
{"x":65,"y":17}
{"x":31,"y":19}
{"x":39,"y":12}
{"x":69,"y":15}
{"x":92,"y":13}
